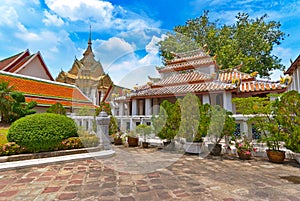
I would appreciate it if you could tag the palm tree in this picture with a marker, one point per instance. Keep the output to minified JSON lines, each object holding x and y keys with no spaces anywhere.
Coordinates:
{"x":5,"y":100}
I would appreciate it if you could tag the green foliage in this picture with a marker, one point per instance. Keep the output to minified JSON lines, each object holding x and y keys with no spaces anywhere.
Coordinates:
{"x":170,"y":114}
{"x":103,"y":106}
{"x":113,"y":125}
{"x":265,"y":119}
{"x":3,"y":134}
{"x":221,"y":123}
{"x":11,"y":148}
{"x":190,"y":117}
{"x":86,"y":111}
{"x":5,"y":100}
{"x":41,"y":132}
{"x":287,"y":114}
{"x":19,"y":107}
{"x":204,"y":119}
{"x":143,"y":130}
{"x":12,"y":104}
{"x":57,"y":108}
{"x":248,"y":41}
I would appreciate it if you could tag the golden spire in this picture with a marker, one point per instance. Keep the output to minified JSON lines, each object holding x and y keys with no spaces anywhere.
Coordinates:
{"x":89,"y":48}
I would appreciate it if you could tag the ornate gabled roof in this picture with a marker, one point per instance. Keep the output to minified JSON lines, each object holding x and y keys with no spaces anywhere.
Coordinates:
{"x":184,"y":78}
{"x":188,"y":60}
{"x":18,"y":62}
{"x":293,"y":66}
{"x":8,"y":61}
{"x":46,"y":92}
{"x":182,"y":89}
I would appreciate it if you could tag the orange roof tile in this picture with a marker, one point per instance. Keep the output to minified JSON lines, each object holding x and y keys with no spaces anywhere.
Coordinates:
{"x":184,"y":78}
{"x":228,"y":76}
{"x":185,"y":88}
{"x":45,"y":90}
{"x":260,"y":86}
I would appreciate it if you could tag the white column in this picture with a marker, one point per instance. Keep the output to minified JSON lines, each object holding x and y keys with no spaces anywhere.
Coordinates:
{"x":134,"y":107}
{"x":148,"y":106}
{"x":294,"y":81}
{"x":155,"y":106}
{"x":227,"y":104}
{"x":297,"y":79}
{"x":131,"y":124}
{"x":245,"y":130}
{"x":121,"y":109}
{"x":205,"y":99}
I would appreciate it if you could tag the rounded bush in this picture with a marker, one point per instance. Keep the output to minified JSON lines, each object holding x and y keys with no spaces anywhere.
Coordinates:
{"x":41,"y":132}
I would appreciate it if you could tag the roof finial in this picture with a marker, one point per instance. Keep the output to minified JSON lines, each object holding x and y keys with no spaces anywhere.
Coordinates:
{"x":90,"y":37}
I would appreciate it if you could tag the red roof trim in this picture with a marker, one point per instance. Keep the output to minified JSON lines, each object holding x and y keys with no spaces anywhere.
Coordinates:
{"x":293,"y":66}
{"x":38,"y":55}
{"x":16,"y":61}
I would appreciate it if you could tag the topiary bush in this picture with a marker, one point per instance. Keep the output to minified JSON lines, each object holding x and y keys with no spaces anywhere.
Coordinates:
{"x":42,"y":132}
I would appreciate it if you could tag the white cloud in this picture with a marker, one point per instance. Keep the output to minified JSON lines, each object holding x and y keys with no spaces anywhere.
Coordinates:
{"x":9,"y":16}
{"x":123,"y":62}
{"x":112,"y":50}
{"x":52,"y":19}
{"x":84,"y":10}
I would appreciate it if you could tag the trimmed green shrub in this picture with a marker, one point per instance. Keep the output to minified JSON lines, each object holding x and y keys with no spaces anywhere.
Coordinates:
{"x":57,"y":108}
{"x":42,"y":132}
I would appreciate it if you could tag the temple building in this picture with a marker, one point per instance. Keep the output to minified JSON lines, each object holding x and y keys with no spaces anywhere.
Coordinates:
{"x":25,"y":63}
{"x":29,"y":74}
{"x":191,"y":72}
{"x":293,"y":78}
{"x":89,"y":76}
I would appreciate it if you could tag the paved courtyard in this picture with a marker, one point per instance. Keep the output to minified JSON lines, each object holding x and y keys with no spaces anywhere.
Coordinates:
{"x":151,"y":174}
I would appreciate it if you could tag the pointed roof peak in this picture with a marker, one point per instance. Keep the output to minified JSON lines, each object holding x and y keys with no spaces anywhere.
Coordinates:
{"x":90,"y":36}
{"x":89,"y":48}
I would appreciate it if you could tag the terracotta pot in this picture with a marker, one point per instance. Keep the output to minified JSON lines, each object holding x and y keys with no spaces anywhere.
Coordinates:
{"x":133,"y":141}
{"x":145,"y":144}
{"x":276,"y":156}
{"x":243,"y":156}
{"x":118,"y":141}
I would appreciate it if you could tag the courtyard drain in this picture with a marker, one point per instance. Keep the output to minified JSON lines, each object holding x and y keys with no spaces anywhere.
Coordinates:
{"x":294,"y":179}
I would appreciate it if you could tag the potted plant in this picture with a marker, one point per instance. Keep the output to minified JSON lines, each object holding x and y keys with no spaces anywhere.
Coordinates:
{"x":144,"y":130}
{"x":117,"y":138}
{"x":132,"y":139}
{"x":167,"y":123}
{"x":244,"y":147}
{"x":267,"y":122}
{"x":288,"y":116}
{"x":221,"y":124}
{"x":193,"y":124}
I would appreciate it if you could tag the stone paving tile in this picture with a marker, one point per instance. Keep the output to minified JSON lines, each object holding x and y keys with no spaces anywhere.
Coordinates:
{"x":151,"y":174}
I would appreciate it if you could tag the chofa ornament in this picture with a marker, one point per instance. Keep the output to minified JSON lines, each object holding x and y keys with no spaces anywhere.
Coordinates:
{"x":287,"y":80}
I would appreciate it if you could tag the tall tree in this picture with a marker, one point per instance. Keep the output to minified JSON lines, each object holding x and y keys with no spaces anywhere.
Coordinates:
{"x":248,"y":42}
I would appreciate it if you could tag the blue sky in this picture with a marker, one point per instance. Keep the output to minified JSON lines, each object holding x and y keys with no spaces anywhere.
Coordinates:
{"x":124,"y":33}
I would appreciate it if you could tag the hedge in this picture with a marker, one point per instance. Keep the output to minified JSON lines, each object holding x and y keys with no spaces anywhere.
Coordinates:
{"x":42,"y":132}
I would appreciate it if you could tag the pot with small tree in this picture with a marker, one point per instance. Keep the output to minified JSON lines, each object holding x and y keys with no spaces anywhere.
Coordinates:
{"x":194,"y":123}
{"x":145,"y":131}
{"x":288,"y":115}
{"x":166,"y":123}
{"x":266,"y":121}
{"x":221,"y":124}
